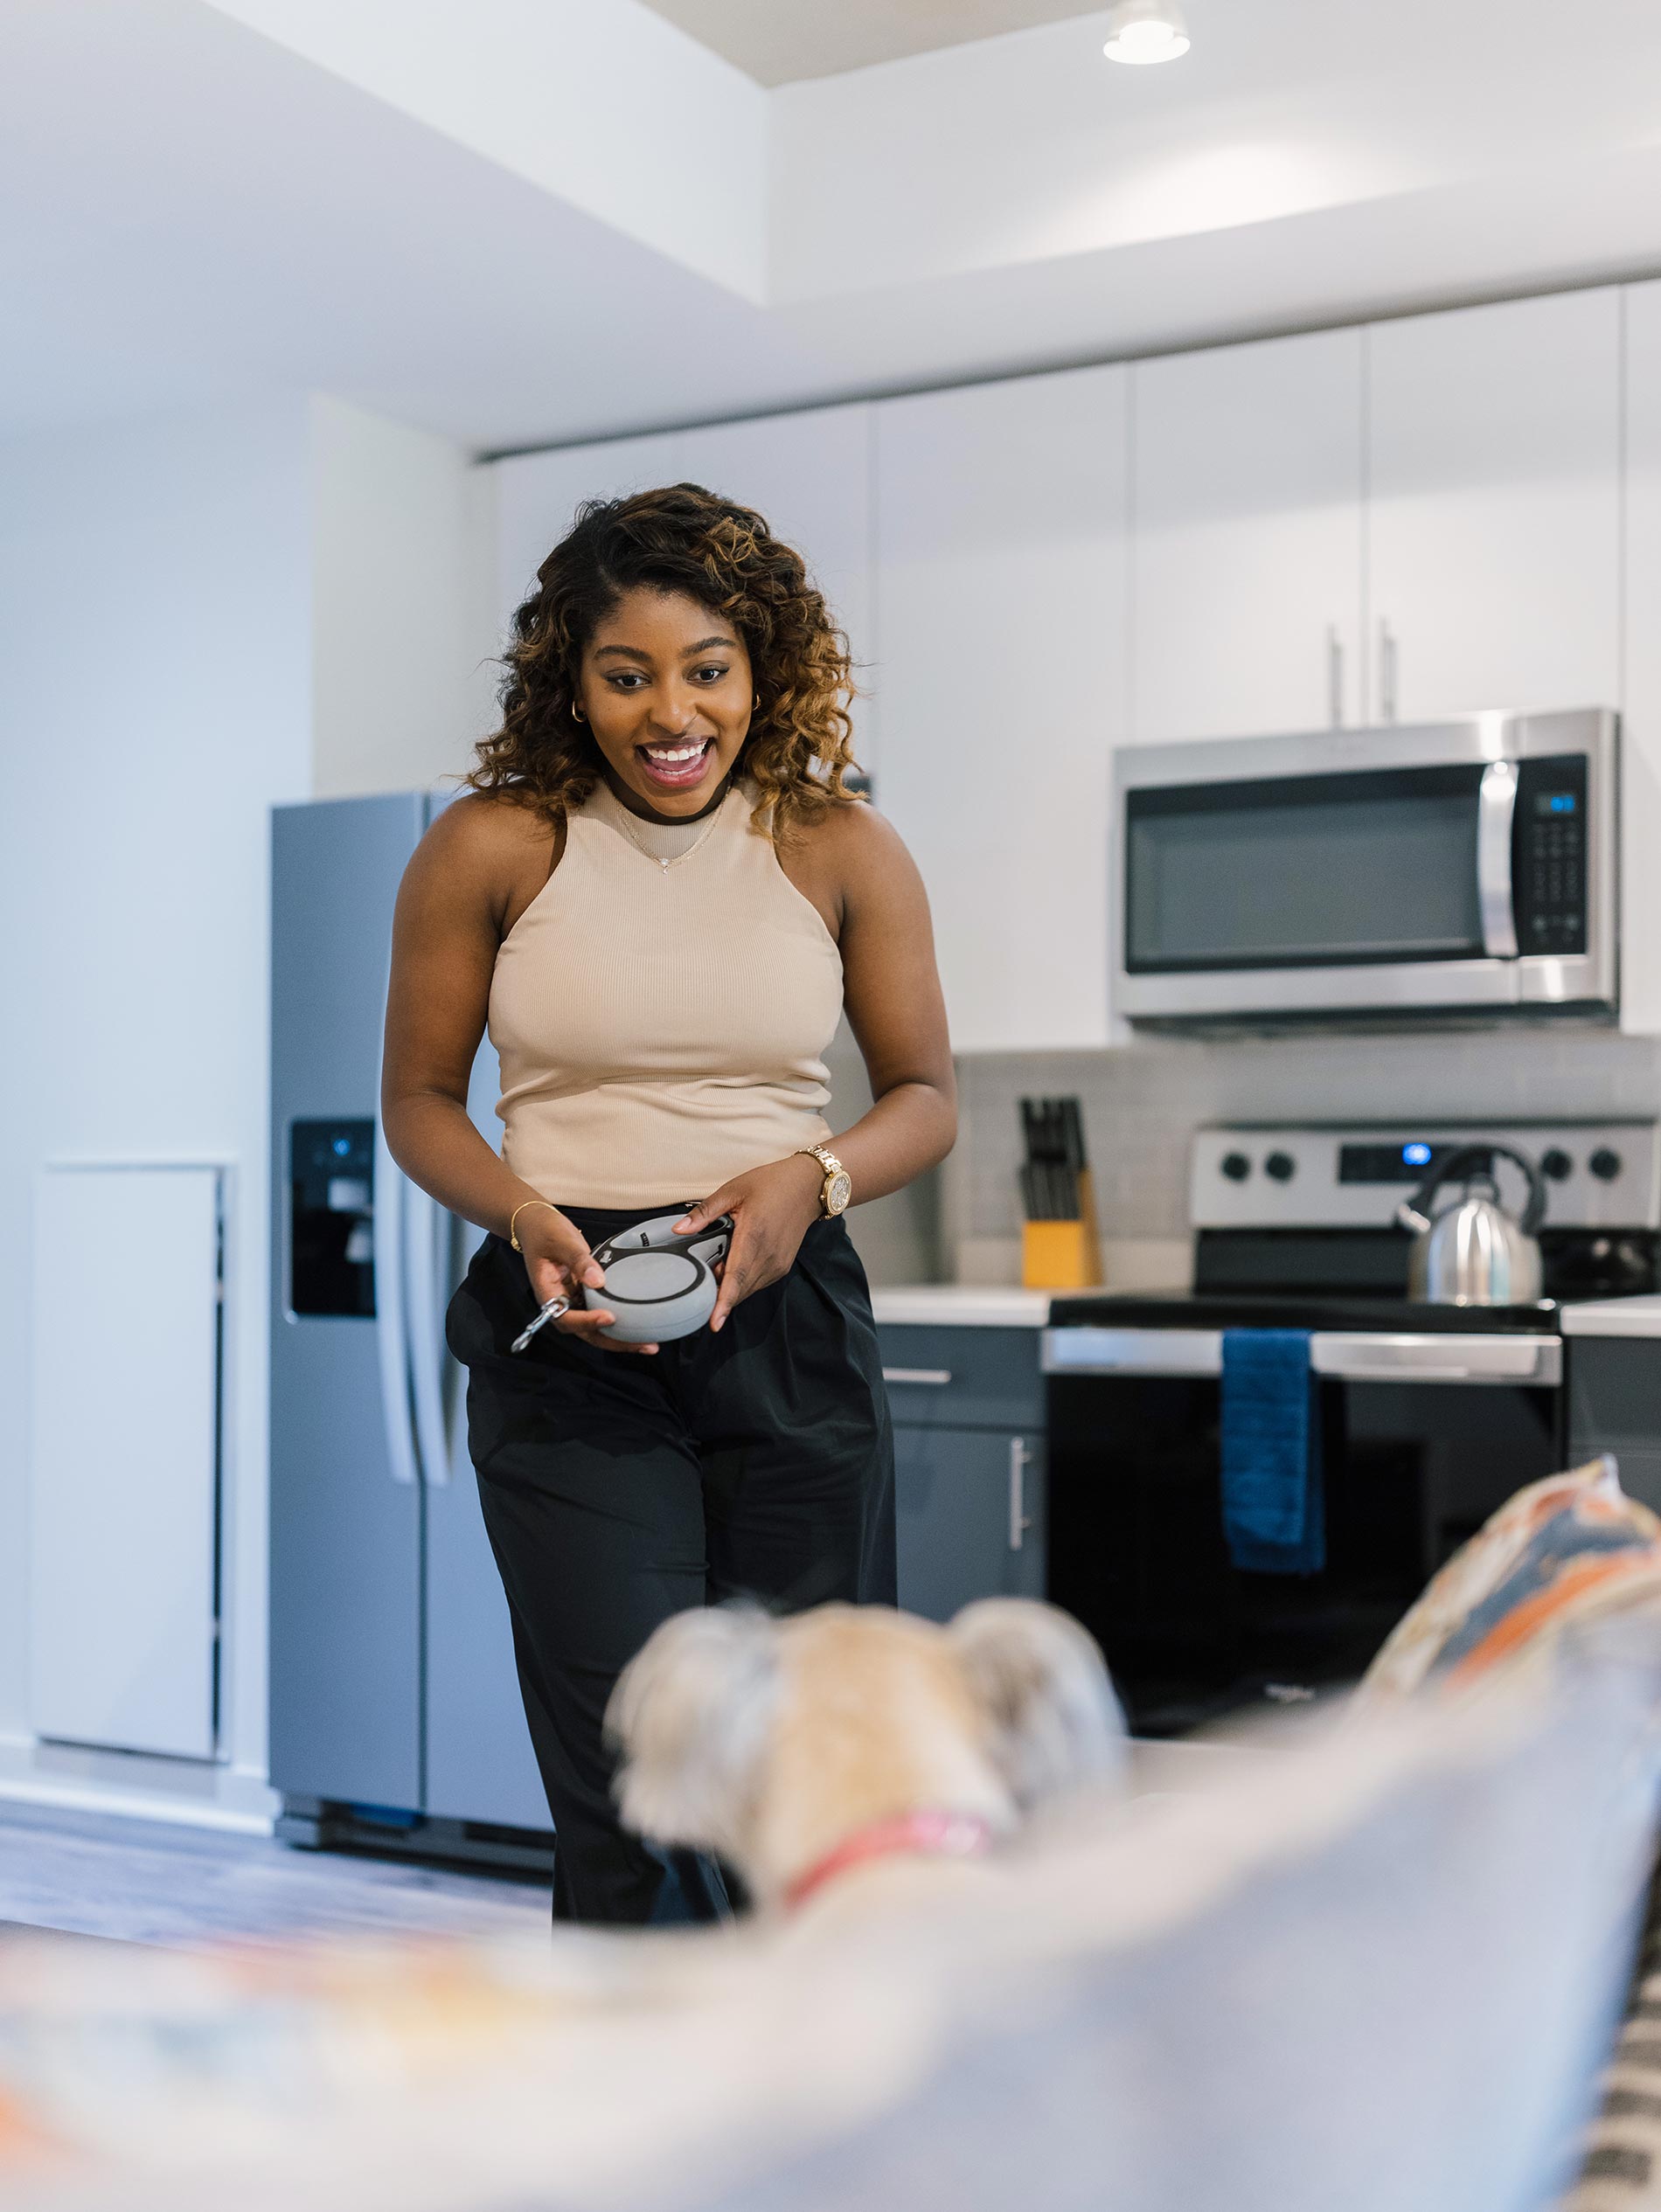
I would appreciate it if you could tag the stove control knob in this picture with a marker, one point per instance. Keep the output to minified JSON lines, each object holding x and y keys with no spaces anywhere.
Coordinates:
{"x":1555,"y":1164}
{"x":1280,"y":1165}
{"x":1236,"y":1166}
{"x":1605,"y":1164}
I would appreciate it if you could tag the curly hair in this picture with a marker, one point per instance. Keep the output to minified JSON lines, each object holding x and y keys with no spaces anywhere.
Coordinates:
{"x":680,"y":538}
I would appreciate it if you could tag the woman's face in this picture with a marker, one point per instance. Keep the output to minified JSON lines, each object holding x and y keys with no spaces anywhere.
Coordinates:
{"x":666,"y":686}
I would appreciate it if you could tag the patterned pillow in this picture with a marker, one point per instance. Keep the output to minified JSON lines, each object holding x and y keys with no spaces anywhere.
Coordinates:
{"x":1563,"y":1552}
{"x":1621,"y":2171}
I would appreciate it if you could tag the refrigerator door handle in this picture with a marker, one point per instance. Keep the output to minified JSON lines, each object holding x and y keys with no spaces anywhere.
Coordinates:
{"x":428,"y":1239}
{"x":391,"y":1346}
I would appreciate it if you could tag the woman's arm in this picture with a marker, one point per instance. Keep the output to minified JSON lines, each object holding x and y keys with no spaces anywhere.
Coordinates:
{"x":892,"y":995}
{"x":447,"y":927}
{"x":445,"y":935}
{"x":892,"y":999}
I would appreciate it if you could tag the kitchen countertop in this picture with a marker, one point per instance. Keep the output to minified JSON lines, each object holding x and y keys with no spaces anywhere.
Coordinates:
{"x":1614,"y":1317}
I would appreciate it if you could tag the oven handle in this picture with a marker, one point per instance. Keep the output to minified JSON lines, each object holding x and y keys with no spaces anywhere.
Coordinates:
{"x":1352,"y":1356}
{"x":1496,"y":808}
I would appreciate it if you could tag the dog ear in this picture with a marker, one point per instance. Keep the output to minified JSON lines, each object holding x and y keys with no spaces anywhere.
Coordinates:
{"x":1044,"y":1688}
{"x":691,"y":1714}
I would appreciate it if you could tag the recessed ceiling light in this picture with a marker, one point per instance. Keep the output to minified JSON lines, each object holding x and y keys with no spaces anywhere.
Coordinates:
{"x":1144,"y":31}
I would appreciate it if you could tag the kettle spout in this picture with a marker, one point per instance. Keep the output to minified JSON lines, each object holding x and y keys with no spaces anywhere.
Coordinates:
{"x":1408,"y":1217}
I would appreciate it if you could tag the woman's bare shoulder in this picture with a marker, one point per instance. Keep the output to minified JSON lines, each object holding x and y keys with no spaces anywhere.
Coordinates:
{"x":490,"y":849}
{"x":853,"y":839}
{"x":480,"y":824}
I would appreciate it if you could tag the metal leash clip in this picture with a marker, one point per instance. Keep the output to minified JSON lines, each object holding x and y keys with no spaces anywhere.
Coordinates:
{"x":551,"y":1312}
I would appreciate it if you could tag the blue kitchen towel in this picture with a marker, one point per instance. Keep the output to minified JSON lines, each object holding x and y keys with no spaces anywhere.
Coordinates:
{"x":1274,"y":1514}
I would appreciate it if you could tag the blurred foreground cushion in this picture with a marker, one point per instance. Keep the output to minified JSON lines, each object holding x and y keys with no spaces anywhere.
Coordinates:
{"x":1377,"y":1969}
{"x":1562,"y":1552}
{"x":1370,"y":1969}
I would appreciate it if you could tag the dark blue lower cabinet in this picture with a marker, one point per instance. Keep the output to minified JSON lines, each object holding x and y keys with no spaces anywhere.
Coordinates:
{"x":970,"y":1510}
{"x":1615,"y":1406}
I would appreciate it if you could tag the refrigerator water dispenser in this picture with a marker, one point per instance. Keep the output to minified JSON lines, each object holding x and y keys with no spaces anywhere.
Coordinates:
{"x":331,"y":1217}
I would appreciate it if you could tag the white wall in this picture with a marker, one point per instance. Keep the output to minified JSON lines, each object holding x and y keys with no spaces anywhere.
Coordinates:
{"x":606,"y":105}
{"x":403,"y":621}
{"x":201,"y":616}
{"x":155,"y":703}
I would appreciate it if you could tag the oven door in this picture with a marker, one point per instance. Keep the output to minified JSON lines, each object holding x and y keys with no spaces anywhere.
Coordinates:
{"x":1461,"y":865}
{"x":1424,"y":1436}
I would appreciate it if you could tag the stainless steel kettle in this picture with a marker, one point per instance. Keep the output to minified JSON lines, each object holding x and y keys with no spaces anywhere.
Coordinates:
{"x":1473,"y":1253}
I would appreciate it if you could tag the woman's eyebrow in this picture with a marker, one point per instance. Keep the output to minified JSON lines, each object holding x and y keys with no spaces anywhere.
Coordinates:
{"x":635,"y":653}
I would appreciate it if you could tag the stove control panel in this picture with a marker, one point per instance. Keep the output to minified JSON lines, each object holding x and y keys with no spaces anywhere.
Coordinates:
{"x":1598,"y":1174}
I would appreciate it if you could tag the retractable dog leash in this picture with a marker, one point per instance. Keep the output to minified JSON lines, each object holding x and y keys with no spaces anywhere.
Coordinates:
{"x":660,"y":1285}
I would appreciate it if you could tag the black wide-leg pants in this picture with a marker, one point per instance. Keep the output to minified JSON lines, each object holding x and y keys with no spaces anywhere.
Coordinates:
{"x":618,"y":1489}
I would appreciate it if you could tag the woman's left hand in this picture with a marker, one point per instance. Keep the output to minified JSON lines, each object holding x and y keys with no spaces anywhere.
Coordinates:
{"x":772,"y":1208}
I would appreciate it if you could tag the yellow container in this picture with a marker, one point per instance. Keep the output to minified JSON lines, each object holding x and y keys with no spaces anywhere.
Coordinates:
{"x":1063,"y":1255}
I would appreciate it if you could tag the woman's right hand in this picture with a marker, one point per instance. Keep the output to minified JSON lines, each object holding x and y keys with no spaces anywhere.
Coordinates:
{"x":559,"y":1265}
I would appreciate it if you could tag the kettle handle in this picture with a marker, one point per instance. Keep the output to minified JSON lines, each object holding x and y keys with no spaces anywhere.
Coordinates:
{"x":1467,"y":1160}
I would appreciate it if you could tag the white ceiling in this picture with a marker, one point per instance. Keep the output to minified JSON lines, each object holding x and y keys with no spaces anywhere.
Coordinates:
{"x":544,"y":220}
{"x":781,"y":42}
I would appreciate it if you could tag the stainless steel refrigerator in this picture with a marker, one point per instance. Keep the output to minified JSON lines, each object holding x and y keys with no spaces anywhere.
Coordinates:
{"x":394,"y":1706}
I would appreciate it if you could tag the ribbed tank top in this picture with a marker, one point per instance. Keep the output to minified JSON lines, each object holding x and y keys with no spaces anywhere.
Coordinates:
{"x":659,"y":1028}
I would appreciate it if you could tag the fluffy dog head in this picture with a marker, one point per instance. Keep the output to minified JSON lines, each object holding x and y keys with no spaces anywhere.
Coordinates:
{"x":769,"y":1740}
{"x":692,"y":1714}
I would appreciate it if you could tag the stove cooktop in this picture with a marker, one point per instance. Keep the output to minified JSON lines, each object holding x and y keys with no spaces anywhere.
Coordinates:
{"x":1304,"y":1309}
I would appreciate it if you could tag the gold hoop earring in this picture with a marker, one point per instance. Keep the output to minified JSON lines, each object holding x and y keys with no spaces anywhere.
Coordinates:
{"x":577,"y":714}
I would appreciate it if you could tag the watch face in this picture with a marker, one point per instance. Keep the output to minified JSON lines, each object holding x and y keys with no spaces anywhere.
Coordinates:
{"x":838,"y":1192}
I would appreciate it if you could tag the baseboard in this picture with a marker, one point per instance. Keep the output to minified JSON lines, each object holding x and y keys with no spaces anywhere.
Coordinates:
{"x":135,"y":1786}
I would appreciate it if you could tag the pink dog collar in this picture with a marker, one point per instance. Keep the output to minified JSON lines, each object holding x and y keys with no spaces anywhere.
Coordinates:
{"x":938,"y":1834}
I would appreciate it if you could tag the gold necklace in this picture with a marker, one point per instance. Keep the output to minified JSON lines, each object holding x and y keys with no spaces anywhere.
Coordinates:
{"x":674,"y":859}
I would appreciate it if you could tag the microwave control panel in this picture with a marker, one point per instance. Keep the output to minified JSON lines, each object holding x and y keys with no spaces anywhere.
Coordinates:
{"x":1548,"y":855}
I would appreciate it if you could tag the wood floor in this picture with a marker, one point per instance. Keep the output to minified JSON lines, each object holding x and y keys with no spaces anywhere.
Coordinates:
{"x":150,"y":1882}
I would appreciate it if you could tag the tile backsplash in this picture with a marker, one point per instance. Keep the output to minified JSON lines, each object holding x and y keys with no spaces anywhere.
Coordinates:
{"x":1143,"y":1102}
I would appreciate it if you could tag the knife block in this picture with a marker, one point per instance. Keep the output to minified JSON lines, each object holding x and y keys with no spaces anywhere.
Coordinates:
{"x":1064,"y":1255}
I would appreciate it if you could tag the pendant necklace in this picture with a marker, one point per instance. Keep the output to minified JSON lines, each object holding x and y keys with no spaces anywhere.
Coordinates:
{"x":667,"y":861}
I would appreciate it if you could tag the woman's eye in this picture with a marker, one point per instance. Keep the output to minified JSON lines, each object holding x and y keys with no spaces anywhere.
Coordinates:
{"x":714,"y":671}
{"x":626,"y":680}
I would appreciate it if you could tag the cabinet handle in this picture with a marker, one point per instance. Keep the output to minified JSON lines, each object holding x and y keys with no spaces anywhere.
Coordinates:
{"x":1386,"y":672}
{"x":1019,"y":1521}
{"x":937,"y":1375}
{"x":1334,"y":677}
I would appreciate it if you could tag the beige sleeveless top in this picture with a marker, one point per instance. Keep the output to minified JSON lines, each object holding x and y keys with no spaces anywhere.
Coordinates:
{"x":662,"y":1028}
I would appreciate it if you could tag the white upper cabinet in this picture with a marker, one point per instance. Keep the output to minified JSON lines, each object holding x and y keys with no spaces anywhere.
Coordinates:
{"x":1001,"y":589}
{"x":1641,"y":695}
{"x":1247,"y":559}
{"x":1493,"y":507}
{"x":810,"y":476}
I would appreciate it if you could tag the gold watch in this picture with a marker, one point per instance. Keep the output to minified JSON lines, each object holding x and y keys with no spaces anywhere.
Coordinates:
{"x":838,"y":1183}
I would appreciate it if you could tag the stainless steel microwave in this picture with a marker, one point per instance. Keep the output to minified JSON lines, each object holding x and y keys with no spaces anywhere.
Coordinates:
{"x":1452,"y":868}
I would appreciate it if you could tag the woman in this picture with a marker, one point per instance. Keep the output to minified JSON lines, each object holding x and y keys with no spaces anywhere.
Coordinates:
{"x":662,"y":894}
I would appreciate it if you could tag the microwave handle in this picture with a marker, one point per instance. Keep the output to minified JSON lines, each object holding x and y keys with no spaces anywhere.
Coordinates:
{"x":1496,"y":807}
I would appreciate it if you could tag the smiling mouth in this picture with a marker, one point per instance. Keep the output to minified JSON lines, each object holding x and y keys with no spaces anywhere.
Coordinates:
{"x":676,"y":764}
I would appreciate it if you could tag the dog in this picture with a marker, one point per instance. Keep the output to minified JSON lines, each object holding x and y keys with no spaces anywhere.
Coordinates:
{"x":805,"y":1750}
